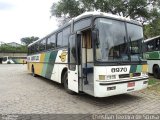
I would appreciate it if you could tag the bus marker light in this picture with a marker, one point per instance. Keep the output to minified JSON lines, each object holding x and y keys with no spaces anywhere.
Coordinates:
{"x":131,"y":84}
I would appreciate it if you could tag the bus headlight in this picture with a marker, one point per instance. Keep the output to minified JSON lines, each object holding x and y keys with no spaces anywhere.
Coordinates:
{"x":107,"y":77}
{"x":102,"y":77}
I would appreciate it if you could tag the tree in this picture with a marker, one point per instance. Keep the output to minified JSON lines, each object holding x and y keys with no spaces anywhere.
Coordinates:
{"x":27,"y":40}
{"x":11,"y":49}
{"x":145,"y":11}
{"x":135,"y":9}
{"x":152,"y":29}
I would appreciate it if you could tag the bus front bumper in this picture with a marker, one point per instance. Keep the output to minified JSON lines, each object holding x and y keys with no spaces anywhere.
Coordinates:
{"x":103,"y":89}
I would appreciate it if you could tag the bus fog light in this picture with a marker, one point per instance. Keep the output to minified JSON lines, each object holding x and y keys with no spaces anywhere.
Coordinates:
{"x":101,"y":77}
{"x":111,"y":77}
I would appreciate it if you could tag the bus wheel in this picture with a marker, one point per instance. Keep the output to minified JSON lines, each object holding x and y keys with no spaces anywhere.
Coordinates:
{"x":8,"y":62}
{"x":65,"y":82}
{"x":156,"y":71}
{"x":33,"y":73}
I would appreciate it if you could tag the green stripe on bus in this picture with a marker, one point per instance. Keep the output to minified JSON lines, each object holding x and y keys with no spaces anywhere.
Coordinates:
{"x":152,"y":55}
{"x":133,"y":68}
{"x":139,"y":68}
{"x":46,"y":59}
{"x":50,"y":67}
{"x":44,"y":68}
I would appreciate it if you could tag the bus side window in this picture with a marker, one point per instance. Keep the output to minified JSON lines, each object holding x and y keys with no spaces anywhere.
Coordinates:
{"x":66,"y":33}
{"x":42,"y":45}
{"x":157,"y":44}
{"x":29,"y":50}
{"x":51,"y":42}
{"x":59,"y":39}
{"x":36,"y":47}
{"x":32,"y":49}
{"x":81,"y":24}
{"x":150,"y":45}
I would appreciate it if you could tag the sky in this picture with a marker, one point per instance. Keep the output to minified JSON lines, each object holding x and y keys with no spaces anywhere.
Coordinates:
{"x":25,"y":18}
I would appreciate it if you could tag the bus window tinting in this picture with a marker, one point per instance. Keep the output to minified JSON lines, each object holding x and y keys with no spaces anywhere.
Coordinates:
{"x":32,"y":49}
{"x":59,"y":39}
{"x":82,"y":24}
{"x":150,"y":45}
{"x":51,"y":42}
{"x":72,"y":55}
{"x":36,"y":47}
{"x":135,"y":34}
{"x":157,"y":44}
{"x":42,"y":45}
{"x":29,"y":50}
{"x":111,"y":44}
{"x":66,"y":33}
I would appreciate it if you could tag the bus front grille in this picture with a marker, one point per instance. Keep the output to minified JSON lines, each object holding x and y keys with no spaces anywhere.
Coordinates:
{"x":124,"y":76}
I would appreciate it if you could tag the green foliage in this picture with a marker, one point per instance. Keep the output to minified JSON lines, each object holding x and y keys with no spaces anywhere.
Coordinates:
{"x":128,"y":8}
{"x":152,"y":29}
{"x":65,"y":7}
{"x":10,"y":49}
{"x":27,"y":40}
{"x":146,"y":11}
{"x":152,"y":81}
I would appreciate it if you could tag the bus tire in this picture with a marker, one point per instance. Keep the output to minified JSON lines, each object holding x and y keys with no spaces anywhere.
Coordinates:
{"x":8,"y":62}
{"x":33,"y":73}
{"x":65,"y":83}
{"x":156,"y":71}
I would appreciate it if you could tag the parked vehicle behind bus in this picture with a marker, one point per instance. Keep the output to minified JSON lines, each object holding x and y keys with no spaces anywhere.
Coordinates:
{"x":95,"y":53}
{"x":14,"y":60}
{"x":152,"y":55}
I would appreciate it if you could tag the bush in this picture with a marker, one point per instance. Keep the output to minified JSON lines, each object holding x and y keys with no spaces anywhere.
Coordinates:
{"x":7,"y":48}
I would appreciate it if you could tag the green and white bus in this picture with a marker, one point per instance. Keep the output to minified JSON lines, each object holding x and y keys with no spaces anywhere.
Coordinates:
{"x":95,"y":53}
{"x":152,"y":55}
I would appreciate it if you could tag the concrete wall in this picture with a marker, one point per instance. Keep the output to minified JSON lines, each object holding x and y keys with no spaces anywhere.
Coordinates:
{"x":12,"y":54}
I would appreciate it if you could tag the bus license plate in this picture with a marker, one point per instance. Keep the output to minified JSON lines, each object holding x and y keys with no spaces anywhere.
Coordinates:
{"x":131,"y":84}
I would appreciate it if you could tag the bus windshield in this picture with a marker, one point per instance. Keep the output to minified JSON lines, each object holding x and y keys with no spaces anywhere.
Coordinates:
{"x":135,"y":34}
{"x":4,"y":59}
{"x":113,"y":44}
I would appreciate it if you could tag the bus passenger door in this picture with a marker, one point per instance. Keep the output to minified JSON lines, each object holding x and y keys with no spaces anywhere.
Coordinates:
{"x":73,"y":65}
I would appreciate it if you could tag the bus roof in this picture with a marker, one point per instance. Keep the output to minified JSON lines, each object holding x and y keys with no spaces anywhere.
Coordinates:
{"x":102,"y":14}
{"x":90,"y":14}
{"x":149,"y":39}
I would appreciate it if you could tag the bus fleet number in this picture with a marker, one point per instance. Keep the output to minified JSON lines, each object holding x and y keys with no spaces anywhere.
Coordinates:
{"x":123,"y":69}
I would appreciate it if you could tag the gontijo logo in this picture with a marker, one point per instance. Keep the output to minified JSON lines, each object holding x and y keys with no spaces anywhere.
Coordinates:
{"x":63,"y":56}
